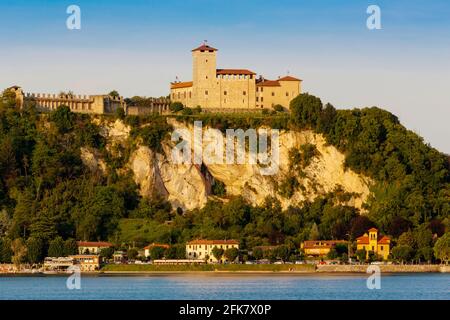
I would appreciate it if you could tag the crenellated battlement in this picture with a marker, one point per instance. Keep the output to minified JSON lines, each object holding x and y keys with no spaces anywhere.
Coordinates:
{"x":45,"y":102}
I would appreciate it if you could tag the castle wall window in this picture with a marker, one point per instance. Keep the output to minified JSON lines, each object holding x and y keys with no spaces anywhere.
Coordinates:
{"x":262,"y":99}
{"x":206,"y":92}
{"x":287,"y":94}
{"x":190,"y":94}
{"x":224,"y":93}
{"x":273,"y":94}
{"x":262,"y":89}
{"x":244,"y":93}
{"x":257,"y":99}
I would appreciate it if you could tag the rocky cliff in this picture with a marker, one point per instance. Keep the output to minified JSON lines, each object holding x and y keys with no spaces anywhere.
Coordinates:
{"x":188,"y":186}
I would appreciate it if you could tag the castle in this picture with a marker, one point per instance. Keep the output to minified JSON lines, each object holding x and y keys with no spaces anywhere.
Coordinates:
{"x":219,"y":89}
{"x":93,"y":104}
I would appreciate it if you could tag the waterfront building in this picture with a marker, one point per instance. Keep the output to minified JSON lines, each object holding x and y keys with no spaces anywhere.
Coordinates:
{"x":147,"y":249}
{"x":202,"y":249}
{"x":92,"y":247}
{"x":230,"y":89}
{"x":319,"y":248}
{"x":87,"y":262}
{"x":372,"y":242}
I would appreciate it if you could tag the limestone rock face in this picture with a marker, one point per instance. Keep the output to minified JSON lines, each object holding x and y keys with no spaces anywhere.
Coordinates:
{"x":92,"y":160}
{"x":188,"y":185}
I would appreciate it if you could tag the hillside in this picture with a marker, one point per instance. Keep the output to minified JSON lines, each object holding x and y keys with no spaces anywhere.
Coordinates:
{"x":70,"y":176}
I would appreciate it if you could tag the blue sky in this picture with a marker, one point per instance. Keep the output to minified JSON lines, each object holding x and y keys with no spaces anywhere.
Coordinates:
{"x":138,"y":47}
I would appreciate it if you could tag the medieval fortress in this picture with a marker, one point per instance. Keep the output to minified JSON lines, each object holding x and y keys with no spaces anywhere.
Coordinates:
{"x":211,"y":89}
{"x":221,"y":89}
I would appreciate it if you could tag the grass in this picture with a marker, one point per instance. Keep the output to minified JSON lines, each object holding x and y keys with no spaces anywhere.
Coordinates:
{"x":207,"y":267}
{"x":143,"y":230}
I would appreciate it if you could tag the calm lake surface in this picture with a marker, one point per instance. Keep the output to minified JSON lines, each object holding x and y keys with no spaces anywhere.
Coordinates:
{"x":214,"y":286}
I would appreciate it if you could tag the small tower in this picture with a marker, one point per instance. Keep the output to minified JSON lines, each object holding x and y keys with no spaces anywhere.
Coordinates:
{"x":373,"y":239}
{"x":204,"y":73}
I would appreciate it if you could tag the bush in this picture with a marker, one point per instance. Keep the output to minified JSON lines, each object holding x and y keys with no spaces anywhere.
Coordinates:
{"x":176,"y":106}
{"x":278,"y":108}
{"x":187,"y":111}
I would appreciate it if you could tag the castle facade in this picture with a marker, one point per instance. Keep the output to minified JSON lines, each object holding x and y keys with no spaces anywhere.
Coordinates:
{"x":92,"y":104}
{"x":219,"y":89}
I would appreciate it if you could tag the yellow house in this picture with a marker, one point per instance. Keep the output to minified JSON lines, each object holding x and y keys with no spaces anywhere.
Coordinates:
{"x":202,"y":249}
{"x":219,"y":89}
{"x":372,"y":243}
{"x":92,"y":247}
{"x":319,"y":247}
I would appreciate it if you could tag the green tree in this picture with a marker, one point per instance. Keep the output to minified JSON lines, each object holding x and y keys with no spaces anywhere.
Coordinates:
{"x":6,"y":252}
{"x":258,"y":253}
{"x":56,"y":248}
{"x":361,"y":255}
{"x":402,"y":253}
{"x":107,"y":253}
{"x":283,"y":252}
{"x":306,"y":110}
{"x":217,"y":253}
{"x":132,"y":253}
{"x":176,"y":106}
{"x":157,"y":253}
{"x":442,"y":248}
{"x":314,"y":232}
{"x":114,"y":93}
{"x":70,"y":247}
{"x":63,"y":118}
{"x":19,"y":250}
{"x":120,"y":113}
{"x":231,"y":254}
{"x":35,"y":250}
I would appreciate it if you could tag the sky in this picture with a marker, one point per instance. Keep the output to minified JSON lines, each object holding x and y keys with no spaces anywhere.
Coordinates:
{"x":139,"y":47}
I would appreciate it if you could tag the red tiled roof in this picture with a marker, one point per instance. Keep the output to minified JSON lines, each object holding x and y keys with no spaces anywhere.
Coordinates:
{"x":384,"y":240}
{"x":289,"y":78}
{"x":234,"y":71}
{"x":94,"y":244}
{"x":178,"y":85}
{"x":204,"y":47}
{"x":309,"y":244}
{"x":162,"y":245}
{"x":373,"y":230}
{"x":199,"y":241}
{"x":268,"y":83}
{"x":362,"y":240}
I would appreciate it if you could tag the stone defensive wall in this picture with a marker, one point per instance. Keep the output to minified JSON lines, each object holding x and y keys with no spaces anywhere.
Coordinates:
{"x":97,"y":104}
{"x":391,"y":268}
{"x":155,"y":105}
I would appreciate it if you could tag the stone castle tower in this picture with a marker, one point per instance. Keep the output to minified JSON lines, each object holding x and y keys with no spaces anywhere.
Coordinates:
{"x":204,"y":61}
{"x":230,"y":89}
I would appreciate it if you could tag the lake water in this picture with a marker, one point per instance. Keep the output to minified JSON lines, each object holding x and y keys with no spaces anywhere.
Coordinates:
{"x":221,"y":286}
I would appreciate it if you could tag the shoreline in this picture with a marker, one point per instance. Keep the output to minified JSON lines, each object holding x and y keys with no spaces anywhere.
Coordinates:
{"x":307,"y":270}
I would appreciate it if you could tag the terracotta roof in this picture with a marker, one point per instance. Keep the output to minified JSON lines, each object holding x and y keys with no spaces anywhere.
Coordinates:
{"x":162,"y":245}
{"x":373,"y":230}
{"x":268,"y":83}
{"x":384,"y":240}
{"x":204,"y":47}
{"x":177,"y":85}
{"x":362,"y":240}
{"x":199,"y":241}
{"x":234,"y":71}
{"x":308,"y":244}
{"x":289,"y":78}
{"x":94,"y":244}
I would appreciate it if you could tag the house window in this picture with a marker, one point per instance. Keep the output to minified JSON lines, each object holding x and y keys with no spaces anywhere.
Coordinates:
{"x":206,"y":77}
{"x":190,"y":94}
{"x":262,"y":89}
{"x":373,"y":248}
{"x":381,"y":248}
{"x":273,"y":94}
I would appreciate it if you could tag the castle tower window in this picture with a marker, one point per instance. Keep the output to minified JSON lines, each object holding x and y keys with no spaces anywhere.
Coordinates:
{"x":244,"y":93}
{"x":287,"y":94}
{"x":273,"y":94}
{"x":257,"y":99}
{"x":262,"y":99}
{"x":206,"y":92}
{"x":224,"y":93}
